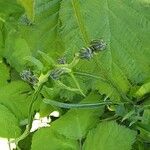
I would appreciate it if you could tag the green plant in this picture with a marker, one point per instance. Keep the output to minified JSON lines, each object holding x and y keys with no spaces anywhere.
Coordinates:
{"x":101,"y":90}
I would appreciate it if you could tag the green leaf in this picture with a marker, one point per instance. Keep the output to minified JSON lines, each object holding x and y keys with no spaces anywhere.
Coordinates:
{"x":9,"y":7}
{"x":144,"y":127}
{"x":19,"y":50}
{"x":4,"y":74}
{"x":76,"y":122}
{"x":25,"y":38}
{"x":114,"y":86}
{"x":143,"y":90}
{"x":46,"y":139}
{"x":45,"y":110}
{"x":17,"y":96}
{"x":146,"y":116}
{"x":50,"y":29}
{"x":110,"y":136}
{"x":125,"y":27}
{"x":128,"y":115}
{"x":43,"y":34}
{"x":9,"y":11}
{"x":9,"y":124}
{"x":34,"y":62}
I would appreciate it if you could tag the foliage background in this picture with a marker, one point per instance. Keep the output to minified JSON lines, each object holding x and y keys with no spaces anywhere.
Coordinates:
{"x":61,"y":28}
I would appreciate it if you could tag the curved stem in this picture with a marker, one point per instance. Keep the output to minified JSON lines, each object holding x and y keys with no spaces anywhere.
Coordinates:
{"x":67,"y":87}
{"x":31,"y":116}
{"x":77,"y":84}
{"x":74,"y":61}
{"x":42,"y":80}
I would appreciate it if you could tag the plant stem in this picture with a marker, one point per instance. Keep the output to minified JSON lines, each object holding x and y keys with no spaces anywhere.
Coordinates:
{"x":42,"y":80}
{"x":77,"y":105}
{"x":66,"y":87}
{"x":74,"y":61}
{"x":31,"y":116}
{"x":77,"y":84}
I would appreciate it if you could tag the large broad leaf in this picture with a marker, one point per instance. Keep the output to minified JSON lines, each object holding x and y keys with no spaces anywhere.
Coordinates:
{"x":76,"y":122}
{"x":10,"y":44}
{"x":9,"y":124}
{"x":16,"y":50}
{"x":124,"y":25}
{"x":9,"y":11}
{"x":46,"y":139}
{"x":16,"y":97}
{"x":110,"y":136}
{"x":35,"y":32}
{"x":42,"y":35}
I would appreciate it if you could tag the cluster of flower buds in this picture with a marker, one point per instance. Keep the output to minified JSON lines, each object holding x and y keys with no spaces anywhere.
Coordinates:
{"x":62,"y":60}
{"x":29,"y":77}
{"x":25,"y":21}
{"x":94,"y":47}
{"x":55,"y":74}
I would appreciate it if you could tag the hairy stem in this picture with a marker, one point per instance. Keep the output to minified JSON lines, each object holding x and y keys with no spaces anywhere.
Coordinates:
{"x":42,"y":80}
{"x":31,"y":116}
{"x":77,"y":105}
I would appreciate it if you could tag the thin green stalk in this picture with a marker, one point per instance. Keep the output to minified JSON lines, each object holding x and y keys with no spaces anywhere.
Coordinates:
{"x":31,"y":116}
{"x":74,"y":61}
{"x":77,"y":84}
{"x":66,"y":87}
{"x":42,"y":80}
